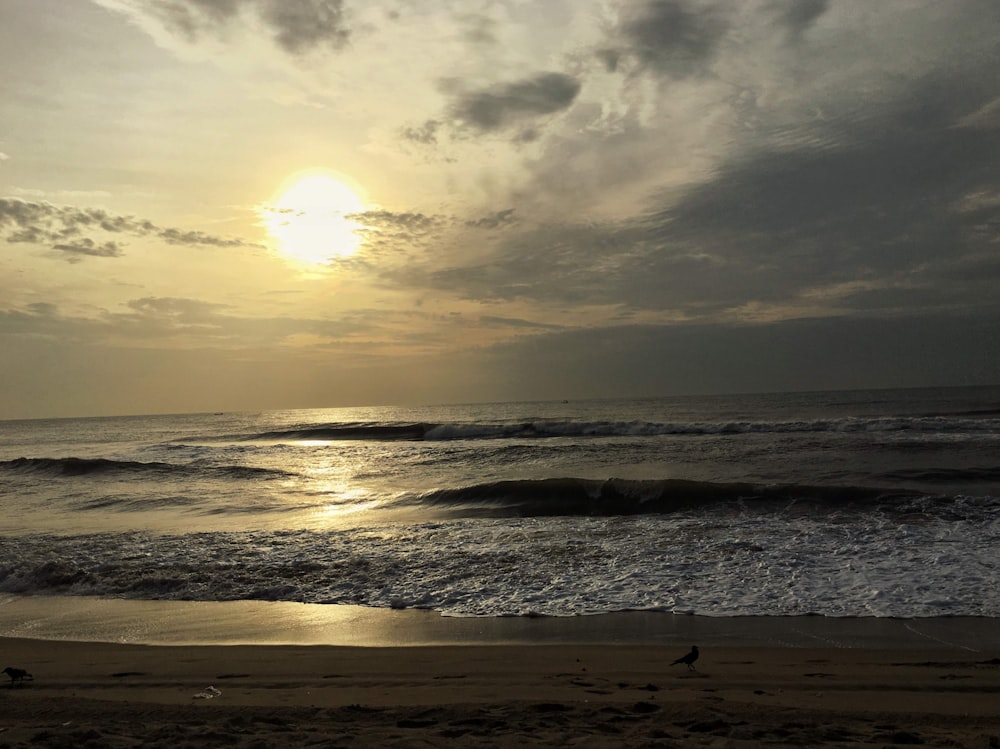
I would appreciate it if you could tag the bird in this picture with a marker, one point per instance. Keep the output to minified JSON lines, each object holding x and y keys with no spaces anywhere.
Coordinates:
{"x":17,"y":675}
{"x":689,"y":659}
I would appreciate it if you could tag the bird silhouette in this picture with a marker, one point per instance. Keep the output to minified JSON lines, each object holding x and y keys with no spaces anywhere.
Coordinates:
{"x":17,"y":675}
{"x":689,"y":659}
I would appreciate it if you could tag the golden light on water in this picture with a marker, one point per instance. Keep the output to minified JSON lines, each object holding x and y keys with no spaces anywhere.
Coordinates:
{"x":309,"y":218}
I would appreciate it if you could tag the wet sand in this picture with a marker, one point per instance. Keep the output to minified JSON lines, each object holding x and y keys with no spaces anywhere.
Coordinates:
{"x":941,"y":690}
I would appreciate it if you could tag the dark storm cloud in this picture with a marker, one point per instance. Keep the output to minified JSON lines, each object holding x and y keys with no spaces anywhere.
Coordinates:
{"x":889,"y":204}
{"x":799,"y":15}
{"x":674,"y":37}
{"x":509,"y":104}
{"x":555,"y":263}
{"x":299,"y":26}
{"x":883,"y":207}
{"x":981,"y":267}
{"x":296,"y":25}
{"x":63,"y":228}
{"x":681,"y":38}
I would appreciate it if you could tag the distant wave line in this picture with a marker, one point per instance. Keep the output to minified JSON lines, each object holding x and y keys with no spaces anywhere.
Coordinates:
{"x":542,"y":429}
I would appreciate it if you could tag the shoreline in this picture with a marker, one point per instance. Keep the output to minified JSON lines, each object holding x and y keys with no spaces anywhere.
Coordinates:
{"x":197,"y":623}
{"x":415,"y":679}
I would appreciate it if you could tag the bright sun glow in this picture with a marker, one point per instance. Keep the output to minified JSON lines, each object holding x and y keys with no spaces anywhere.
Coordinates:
{"x":309,"y":221}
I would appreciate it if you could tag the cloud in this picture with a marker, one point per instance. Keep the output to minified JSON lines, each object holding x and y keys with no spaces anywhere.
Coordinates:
{"x":553,"y":263}
{"x":493,"y":221}
{"x":886,"y":206}
{"x":306,"y":24}
{"x":196,"y":238}
{"x":516,"y":323}
{"x":798,"y":16}
{"x":907,"y":170}
{"x":742,"y":166}
{"x":859,"y":190}
{"x":295,"y":26}
{"x":894,"y":194}
{"x":30,"y":193}
{"x":672,"y":37}
{"x":425,"y":133}
{"x":62,"y":229}
{"x":184,"y":323}
{"x":390,"y":221}
{"x":507,"y":104}
{"x":683,"y":38}
{"x":178,"y":310}
{"x":87,"y":246}
{"x":986,"y":117}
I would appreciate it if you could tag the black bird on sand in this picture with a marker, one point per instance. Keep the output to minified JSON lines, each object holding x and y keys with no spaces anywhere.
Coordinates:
{"x":689,"y":659}
{"x":17,"y":675}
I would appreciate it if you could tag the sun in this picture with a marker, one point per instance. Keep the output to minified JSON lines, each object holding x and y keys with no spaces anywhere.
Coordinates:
{"x":309,"y":218}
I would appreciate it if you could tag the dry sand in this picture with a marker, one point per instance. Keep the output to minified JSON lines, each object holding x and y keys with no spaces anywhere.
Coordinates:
{"x":506,"y":695}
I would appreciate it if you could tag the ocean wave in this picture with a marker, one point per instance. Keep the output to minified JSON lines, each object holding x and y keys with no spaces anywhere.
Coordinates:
{"x":72,"y":467}
{"x":353,"y":431}
{"x":994,"y":412}
{"x":548,"y":429}
{"x":583,"y":497}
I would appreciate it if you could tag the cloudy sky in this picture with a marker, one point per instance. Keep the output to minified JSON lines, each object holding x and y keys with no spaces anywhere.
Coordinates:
{"x":249,"y":204}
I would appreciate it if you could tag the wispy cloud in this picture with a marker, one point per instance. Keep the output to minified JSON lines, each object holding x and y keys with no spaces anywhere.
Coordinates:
{"x":63,"y":228}
{"x":295,"y":26}
{"x":88,"y":247}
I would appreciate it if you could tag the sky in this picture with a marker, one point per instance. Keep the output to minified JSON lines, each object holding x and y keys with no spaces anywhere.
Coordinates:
{"x":212,"y":205}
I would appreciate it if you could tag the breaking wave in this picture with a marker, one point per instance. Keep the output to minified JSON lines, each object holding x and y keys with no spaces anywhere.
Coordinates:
{"x":620,"y":497}
{"x":72,"y":467}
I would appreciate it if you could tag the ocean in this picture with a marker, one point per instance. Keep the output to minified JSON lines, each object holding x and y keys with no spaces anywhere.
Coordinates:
{"x":842,"y":504}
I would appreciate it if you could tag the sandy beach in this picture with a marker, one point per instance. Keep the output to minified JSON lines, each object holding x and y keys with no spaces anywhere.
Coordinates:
{"x":91,"y":694}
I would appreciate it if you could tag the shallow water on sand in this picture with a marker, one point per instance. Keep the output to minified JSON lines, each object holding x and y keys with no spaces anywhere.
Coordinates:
{"x":283,"y":623}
